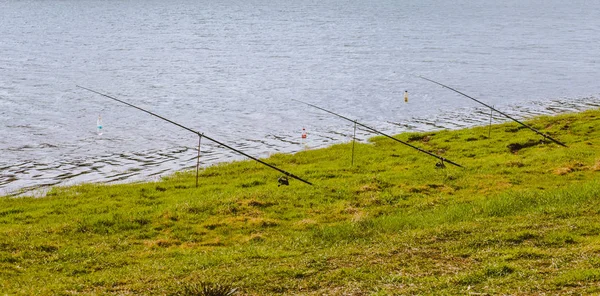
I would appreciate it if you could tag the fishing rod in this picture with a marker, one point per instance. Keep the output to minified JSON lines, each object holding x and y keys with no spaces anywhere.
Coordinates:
{"x":494,"y":109}
{"x":281,"y":180}
{"x":378,"y":132}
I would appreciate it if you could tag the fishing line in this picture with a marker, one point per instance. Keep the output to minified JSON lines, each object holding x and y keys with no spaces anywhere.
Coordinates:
{"x":498,"y":111}
{"x":381,"y":133}
{"x":202,"y":135}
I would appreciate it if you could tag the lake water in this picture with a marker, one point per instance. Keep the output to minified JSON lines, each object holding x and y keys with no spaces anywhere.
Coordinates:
{"x":231,"y":68}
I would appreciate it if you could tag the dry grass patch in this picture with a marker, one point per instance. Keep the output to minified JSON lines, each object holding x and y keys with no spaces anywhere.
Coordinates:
{"x":572,"y":167}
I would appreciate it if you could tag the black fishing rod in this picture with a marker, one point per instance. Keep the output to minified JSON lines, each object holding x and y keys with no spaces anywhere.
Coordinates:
{"x":202,"y":135}
{"x":492,"y":108}
{"x":378,"y":132}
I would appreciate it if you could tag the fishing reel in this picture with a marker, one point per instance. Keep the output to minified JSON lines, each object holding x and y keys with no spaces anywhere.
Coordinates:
{"x":283,"y":180}
{"x":440,"y":165}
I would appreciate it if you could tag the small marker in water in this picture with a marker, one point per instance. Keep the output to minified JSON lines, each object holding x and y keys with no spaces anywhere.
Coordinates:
{"x":304,"y":144}
{"x":99,"y":125}
{"x":405,"y":96}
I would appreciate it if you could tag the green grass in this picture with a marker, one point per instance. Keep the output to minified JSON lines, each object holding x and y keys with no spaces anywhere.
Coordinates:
{"x":512,"y":222}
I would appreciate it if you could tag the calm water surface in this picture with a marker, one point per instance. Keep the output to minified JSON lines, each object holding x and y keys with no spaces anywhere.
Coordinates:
{"x":231,"y":68}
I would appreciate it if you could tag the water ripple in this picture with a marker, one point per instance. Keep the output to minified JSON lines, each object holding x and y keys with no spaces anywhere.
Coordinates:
{"x":231,"y":71}
{"x":27,"y":177}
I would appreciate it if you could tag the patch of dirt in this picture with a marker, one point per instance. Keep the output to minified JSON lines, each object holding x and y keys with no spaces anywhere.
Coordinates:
{"x":578,"y":166}
{"x":306,"y":222}
{"x":419,"y":137}
{"x":515,"y":147}
{"x":255,"y":203}
{"x":517,"y":164}
{"x":369,"y":188}
{"x":562,"y":171}
{"x":512,"y":129}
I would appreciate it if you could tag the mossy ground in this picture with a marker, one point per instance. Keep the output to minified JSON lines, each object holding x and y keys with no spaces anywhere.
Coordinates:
{"x":511,"y":222}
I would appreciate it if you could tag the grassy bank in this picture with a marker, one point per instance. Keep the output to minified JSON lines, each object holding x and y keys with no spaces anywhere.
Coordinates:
{"x":521,"y":218}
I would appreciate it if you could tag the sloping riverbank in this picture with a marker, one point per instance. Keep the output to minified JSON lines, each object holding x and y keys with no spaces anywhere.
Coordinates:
{"x":520,"y":218}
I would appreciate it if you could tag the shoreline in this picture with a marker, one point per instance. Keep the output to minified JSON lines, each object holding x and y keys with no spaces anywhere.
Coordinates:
{"x":133,"y":175}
